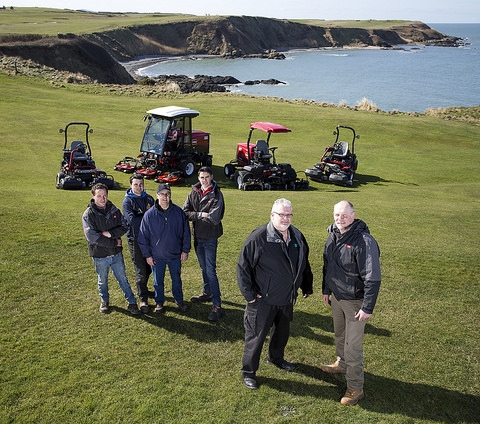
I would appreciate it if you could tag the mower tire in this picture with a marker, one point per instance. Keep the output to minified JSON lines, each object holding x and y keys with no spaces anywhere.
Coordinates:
{"x":229,"y":170}
{"x":187,"y":168}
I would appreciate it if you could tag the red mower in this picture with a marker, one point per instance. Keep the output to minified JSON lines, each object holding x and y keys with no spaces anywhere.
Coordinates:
{"x":77,"y":169}
{"x":338,"y":163}
{"x":255,"y":166}
{"x":170,"y":150}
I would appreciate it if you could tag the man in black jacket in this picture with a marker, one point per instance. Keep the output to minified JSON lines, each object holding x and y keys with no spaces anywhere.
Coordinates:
{"x":136,"y":202}
{"x":205,"y":207}
{"x":103,"y":226}
{"x":272,"y":266}
{"x":351,"y":281}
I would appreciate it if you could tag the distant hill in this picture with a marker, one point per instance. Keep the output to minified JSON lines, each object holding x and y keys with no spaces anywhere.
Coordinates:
{"x":97,"y":54}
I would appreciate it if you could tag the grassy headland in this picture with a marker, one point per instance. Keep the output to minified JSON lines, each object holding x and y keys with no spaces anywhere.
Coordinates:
{"x":34,"y":20}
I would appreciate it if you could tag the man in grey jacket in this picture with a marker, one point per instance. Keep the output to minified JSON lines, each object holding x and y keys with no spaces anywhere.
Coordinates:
{"x":351,"y":281}
{"x":103,"y":226}
{"x":272,"y":266}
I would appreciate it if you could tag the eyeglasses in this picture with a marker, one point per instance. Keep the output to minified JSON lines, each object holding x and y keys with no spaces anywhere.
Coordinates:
{"x":284,"y":215}
{"x":167,"y":194}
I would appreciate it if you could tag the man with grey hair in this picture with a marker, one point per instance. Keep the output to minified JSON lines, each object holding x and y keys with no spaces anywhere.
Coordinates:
{"x":272,"y":266}
{"x":351,"y":281}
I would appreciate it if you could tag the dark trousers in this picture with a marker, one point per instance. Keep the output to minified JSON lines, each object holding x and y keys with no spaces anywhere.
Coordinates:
{"x":260,"y":319}
{"x":142,"y":270}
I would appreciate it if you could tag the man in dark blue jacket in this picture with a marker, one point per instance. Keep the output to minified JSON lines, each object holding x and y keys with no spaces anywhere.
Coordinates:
{"x":351,"y":281}
{"x":164,"y":239}
{"x":103,"y":226}
{"x":134,"y":206}
{"x":272,"y":266}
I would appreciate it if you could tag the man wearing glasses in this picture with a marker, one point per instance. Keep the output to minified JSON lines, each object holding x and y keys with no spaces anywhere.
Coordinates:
{"x":272,"y":266}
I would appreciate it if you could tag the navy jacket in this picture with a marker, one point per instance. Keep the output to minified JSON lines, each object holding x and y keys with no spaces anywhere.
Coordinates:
{"x":134,"y":207}
{"x":164,"y":235}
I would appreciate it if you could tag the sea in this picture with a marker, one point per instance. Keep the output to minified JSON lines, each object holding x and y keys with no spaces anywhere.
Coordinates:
{"x":404,"y":79}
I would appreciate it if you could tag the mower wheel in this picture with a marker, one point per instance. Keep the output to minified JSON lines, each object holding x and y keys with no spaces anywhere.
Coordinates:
{"x":207,"y":161}
{"x":243,"y":179}
{"x":187,"y":167}
{"x":60,"y":179}
{"x":229,"y":170}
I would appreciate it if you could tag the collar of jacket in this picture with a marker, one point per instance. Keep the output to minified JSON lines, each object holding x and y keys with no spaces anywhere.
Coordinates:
{"x":273,"y":235}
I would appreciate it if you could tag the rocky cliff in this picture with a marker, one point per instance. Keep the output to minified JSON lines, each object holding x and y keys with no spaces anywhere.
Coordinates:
{"x":97,"y":55}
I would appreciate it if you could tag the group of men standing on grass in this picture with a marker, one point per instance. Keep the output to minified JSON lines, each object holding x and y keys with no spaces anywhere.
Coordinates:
{"x":272,"y":267}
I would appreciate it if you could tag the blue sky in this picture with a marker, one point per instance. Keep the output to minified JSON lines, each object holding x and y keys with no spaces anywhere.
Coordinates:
{"x":428,"y":11}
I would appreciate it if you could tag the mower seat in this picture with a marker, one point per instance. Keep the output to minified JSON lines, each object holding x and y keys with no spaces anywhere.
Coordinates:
{"x":80,"y":154}
{"x":342,"y":150}
{"x":262,"y":153}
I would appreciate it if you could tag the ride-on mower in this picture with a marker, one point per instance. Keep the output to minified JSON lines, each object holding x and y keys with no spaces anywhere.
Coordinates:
{"x":170,"y":150}
{"x":338,"y":163}
{"x":255,"y":166}
{"x":78,"y":169}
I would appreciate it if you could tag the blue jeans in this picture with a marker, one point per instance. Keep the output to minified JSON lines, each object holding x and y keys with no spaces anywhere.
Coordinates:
{"x":206,"y":250}
{"x":117,"y":265}
{"x":174,"y":268}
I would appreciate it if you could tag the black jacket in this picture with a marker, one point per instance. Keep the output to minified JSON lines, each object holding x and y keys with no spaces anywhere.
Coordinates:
{"x":212,"y":203}
{"x":95,"y":221}
{"x":351,"y":267}
{"x":265,"y":268}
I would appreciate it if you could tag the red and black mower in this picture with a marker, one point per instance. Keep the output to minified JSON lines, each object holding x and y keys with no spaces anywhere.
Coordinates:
{"x":338,"y":163}
{"x":170,"y":150}
{"x":255,"y":166}
{"x":77,"y":169}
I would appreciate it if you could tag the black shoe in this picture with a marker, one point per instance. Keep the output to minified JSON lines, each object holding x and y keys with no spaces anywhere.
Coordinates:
{"x":104,"y":308}
{"x":287,"y":366}
{"x":159,"y":309}
{"x":133,"y":309}
{"x":182,"y":306}
{"x":144,"y":308}
{"x":216,"y":314}
{"x":204,"y":297}
{"x":250,"y":382}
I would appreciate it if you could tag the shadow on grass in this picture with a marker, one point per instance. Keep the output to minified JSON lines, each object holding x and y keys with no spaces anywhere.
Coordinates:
{"x":373,"y":179}
{"x":389,"y":396}
{"x":194,"y":323}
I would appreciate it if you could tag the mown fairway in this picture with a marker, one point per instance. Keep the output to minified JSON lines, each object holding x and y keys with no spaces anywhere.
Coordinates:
{"x":418,"y":189}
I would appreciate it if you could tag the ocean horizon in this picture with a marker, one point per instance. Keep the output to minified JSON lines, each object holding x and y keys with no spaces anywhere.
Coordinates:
{"x":405,"y":79}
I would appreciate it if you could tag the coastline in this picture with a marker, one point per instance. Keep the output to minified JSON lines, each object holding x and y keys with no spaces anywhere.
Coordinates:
{"x":133,"y":66}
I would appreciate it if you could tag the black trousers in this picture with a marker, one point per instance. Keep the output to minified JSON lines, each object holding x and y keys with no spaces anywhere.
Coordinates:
{"x":142,"y":270}
{"x":260,"y":319}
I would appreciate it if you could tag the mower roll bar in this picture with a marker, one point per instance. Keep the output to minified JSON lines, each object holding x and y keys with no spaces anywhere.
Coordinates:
{"x":87,"y":131}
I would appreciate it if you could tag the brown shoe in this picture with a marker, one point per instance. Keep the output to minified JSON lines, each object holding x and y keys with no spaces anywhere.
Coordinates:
{"x":352,"y":397}
{"x":334,"y":368}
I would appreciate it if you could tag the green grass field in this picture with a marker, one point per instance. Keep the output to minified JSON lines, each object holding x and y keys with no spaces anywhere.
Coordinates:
{"x":418,"y":188}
